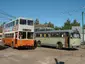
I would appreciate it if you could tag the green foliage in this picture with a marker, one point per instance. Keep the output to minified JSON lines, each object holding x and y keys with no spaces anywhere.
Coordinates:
{"x":0,"y":29}
{"x":68,"y":25}
{"x":57,"y":28}
{"x":75,"y":23}
{"x":50,"y":25}
{"x":37,"y":21}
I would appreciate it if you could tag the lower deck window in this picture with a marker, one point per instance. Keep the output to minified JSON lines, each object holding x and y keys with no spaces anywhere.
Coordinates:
{"x":29,"y":35}
{"x":10,"y":35}
{"x":22,"y":35}
{"x":26,"y":35}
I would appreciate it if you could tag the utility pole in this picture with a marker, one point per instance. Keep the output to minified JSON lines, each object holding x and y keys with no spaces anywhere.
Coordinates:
{"x":83,"y":27}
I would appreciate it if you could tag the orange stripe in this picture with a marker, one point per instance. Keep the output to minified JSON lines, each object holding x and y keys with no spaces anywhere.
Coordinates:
{"x":8,"y":41}
{"x":25,"y":43}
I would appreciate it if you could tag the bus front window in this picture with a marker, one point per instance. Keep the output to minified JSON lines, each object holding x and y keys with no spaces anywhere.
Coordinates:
{"x":30,"y":22}
{"x":30,"y":35}
{"x":22,"y":21}
{"x":22,"y":35}
{"x":75,"y":35}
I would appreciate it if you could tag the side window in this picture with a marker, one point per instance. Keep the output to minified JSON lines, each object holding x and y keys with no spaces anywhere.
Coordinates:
{"x":49,"y":35}
{"x":55,"y":35}
{"x":40,"y":35}
{"x":37,"y":35}
{"x":11,"y":35}
{"x":45,"y":35}
{"x":16,"y":22}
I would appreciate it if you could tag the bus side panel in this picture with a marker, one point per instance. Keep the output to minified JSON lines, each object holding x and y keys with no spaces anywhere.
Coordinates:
{"x":75,"y":42}
{"x":24,"y":43}
{"x":51,"y":41}
{"x":8,"y":41}
{"x":54,"y":41}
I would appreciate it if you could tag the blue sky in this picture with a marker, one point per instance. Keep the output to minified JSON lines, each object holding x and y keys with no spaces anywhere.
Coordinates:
{"x":56,"y":11}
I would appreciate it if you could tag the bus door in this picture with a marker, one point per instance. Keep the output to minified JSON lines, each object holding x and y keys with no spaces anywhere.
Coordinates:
{"x":16,"y":36}
{"x":67,"y":40}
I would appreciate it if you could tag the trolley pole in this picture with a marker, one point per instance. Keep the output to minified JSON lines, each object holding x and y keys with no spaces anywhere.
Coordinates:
{"x":83,"y":27}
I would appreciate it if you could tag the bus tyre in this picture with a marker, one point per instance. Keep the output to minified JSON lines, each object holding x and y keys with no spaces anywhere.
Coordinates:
{"x":59,"y":45}
{"x":35,"y":45}
{"x":39,"y":43}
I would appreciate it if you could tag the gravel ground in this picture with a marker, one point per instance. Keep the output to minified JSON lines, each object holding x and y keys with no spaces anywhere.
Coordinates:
{"x":41,"y":55}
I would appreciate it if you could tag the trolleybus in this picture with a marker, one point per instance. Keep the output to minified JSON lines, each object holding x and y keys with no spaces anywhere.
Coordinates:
{"x":58,"y":39}
{"x":19,"y":33}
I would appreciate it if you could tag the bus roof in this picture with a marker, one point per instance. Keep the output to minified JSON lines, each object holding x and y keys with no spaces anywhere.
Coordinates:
{"x":54,"y":31}
{"x":19,"y":18}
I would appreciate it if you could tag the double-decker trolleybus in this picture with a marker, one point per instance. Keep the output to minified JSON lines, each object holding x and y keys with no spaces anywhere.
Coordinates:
{"x":19,"y":33}
{"x":58,"y":39}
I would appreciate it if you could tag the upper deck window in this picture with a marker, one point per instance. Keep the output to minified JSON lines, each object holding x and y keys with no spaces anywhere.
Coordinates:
{"x":10,"y":24}
{"x":16,"y":22}
{"x":22,"y":21}
{"x":30,"y":22}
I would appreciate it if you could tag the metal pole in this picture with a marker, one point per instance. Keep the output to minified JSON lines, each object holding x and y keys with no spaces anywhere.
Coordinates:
{"x":83,"y":27}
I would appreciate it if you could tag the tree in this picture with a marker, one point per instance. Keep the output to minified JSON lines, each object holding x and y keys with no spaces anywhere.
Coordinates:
{"x":67,"y":25}
{"x":50,"y":25}
{"x":36,"y":22}
{"x":75,"y":23}
{"x":57,"y":28}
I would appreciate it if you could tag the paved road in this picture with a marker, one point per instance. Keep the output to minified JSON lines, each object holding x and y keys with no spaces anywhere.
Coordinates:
{"x":41,"y":55}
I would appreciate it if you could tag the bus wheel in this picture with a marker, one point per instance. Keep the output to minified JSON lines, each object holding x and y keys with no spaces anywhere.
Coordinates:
{"x":35,"y":44}
{"x":59,"y":45}
{"x":39,"y":43}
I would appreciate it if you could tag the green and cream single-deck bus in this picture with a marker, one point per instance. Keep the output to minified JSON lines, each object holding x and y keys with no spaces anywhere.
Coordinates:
{"x":58,"y":39}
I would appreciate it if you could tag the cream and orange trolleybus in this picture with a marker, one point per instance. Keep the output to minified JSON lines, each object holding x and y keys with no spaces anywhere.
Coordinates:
{"x":19,"y":33}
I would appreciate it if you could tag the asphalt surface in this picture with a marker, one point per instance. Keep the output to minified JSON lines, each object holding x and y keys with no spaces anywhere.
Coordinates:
{"x":41,"y":55}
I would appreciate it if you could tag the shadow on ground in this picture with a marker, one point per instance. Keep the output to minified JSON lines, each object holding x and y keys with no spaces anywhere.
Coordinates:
{"x":26,"y":48}
{"x":3,"y":47}
{"x":68,"y":49}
